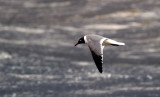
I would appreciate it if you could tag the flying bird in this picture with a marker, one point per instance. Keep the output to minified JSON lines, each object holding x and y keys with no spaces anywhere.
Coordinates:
{"x":96,"y":44}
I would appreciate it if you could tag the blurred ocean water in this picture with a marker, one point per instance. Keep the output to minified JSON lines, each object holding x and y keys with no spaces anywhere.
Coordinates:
{"x":37,"y":57}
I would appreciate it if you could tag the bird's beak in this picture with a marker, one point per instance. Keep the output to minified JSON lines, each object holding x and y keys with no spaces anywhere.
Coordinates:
{"x":76,"y":44}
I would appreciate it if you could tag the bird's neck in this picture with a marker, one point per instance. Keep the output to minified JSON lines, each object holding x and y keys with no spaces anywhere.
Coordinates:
{"x":85,"y":40}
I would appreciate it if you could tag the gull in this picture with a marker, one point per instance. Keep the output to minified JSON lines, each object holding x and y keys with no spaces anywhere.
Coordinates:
{"x":96,"y":45}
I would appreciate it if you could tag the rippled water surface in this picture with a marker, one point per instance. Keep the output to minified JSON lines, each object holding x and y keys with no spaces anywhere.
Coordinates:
{"x":38,"y":57}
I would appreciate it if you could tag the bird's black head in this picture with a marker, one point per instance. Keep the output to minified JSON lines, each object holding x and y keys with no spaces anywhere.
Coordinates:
{"x":80,"y":41}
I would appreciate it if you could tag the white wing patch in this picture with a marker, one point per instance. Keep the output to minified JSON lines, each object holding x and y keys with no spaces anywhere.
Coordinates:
{"x":102,"y":47}
{"x":101,"y":42}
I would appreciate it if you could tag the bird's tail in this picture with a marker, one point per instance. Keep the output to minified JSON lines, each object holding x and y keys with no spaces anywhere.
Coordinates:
{"x":114,"y":43}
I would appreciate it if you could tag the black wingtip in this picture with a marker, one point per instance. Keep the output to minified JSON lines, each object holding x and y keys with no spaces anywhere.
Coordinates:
{"x":99,"y":68}
{"x":100,"y":71}
{"x":114,"y":44}
{"x":98,"y":61}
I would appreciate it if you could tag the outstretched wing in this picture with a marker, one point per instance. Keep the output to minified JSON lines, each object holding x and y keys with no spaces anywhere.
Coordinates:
{"x":97,"y":54}
{"x":95,"y":44}
{"x":98,"y":59}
